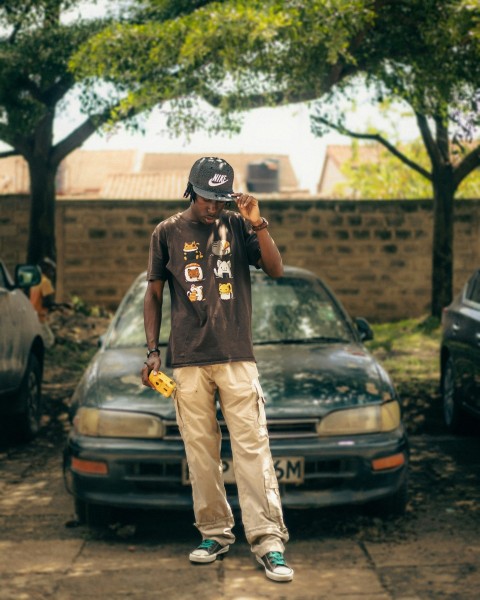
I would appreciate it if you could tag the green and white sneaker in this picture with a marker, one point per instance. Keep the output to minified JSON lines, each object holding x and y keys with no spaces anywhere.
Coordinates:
{"x":207,"y":551}
{"x":275,"y":566}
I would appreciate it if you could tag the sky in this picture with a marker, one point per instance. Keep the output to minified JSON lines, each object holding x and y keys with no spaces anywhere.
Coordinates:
{"x":282,"y":130}
{"x":265,"y":131}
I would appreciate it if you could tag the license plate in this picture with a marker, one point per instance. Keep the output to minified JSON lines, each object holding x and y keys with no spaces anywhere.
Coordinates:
{"x":289,"y":469}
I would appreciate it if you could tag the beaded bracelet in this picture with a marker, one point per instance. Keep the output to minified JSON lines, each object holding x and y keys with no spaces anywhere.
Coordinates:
{"x":263,"y":225}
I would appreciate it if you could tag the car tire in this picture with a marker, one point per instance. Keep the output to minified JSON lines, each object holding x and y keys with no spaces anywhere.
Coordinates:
{"x":27,"y":421}
{"x":93,"y":515}
{"x":453,"y":415}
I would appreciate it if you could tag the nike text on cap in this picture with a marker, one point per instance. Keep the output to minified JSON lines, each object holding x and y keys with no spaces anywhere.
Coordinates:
{"x":212,"y":178}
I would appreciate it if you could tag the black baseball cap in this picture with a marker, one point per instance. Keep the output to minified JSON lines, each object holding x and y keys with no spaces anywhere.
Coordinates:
{"x":212,"y":178}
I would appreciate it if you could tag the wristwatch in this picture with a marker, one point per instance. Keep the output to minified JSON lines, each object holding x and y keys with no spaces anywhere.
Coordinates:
{"x":152,"y":350}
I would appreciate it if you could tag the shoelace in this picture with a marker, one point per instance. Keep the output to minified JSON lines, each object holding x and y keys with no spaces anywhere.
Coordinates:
{"x":206,"y":544}
{"x":277,"y":559}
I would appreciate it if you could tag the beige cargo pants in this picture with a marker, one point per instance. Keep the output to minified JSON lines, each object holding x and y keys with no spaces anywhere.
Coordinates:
{"x":242,"y":404}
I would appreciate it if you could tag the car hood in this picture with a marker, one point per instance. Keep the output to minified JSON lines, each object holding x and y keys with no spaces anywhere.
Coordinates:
{"x":297,"y":380}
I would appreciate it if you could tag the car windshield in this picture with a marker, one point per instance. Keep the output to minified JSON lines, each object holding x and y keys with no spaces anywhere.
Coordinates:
{"x":286,"y":310}
{"x":295,"y":309}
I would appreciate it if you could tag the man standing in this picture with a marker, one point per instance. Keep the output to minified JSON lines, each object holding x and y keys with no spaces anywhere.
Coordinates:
{"x":204,"y":253}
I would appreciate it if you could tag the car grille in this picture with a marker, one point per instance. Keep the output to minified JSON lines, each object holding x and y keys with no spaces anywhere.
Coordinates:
{"x":278,"y":429}
{"x":329,"y":474}
{"x":154,"y":477}
{"x":158,"y":477}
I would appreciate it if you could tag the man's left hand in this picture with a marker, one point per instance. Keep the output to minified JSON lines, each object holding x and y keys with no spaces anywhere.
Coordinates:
{"x":248,"y":207}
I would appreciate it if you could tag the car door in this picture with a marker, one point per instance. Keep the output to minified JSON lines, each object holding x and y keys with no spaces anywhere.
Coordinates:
{"x":462,"y":334}
{"x":471,"y":351}
{"x":7,"y":331}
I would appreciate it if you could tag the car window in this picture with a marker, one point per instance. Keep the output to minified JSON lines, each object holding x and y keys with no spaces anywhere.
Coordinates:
{"x":127,"y":329}
{"x":294,"y":309}
{"x":286,"y":309}
{"x":473,"y":289}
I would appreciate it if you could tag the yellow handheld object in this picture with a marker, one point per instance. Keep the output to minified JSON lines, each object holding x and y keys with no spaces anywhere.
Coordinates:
{"x":163,"y":384}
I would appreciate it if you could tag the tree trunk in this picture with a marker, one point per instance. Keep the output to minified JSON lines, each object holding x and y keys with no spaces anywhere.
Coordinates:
{"x":442,"y":255}
{"x":41,"y":238}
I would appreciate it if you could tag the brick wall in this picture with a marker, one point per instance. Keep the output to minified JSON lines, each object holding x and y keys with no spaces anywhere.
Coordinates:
{"x":376,"y":255}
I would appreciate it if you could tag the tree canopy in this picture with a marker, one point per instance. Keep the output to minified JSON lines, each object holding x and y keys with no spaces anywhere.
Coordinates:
{"x":38,"y":40}
{"x":384,"y":177}
{"x":235,"y":54}
{"x":36,"y":43}
{"x":427,"y":55}
{"x":239,"y":54}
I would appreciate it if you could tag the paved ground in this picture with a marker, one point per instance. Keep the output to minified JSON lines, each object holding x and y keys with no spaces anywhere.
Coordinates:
{"x":432,"y":552}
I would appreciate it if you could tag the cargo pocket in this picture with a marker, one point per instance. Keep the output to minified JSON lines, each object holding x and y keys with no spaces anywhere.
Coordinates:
{"x":178,"y":412}
{"x":182,"y":419}
{"x":260,"y":414}
{"x":273,"y":496}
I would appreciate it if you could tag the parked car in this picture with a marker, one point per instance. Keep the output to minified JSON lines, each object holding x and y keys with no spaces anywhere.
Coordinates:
{"x":333,"y":414}
{"x":460,"y":357}
{"x":21,"y":353}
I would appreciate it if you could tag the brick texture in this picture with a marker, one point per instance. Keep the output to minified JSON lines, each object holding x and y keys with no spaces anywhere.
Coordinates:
{"x":375,"y":255}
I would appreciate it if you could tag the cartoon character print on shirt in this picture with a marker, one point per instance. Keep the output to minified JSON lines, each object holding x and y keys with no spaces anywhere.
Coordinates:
{"x":225,"y":290}
{"x":193,"y":272}
{"x":221,"y":248}
{"x":224,"y":269}
{"x":191,"y":251}
{"x":195,"y":293}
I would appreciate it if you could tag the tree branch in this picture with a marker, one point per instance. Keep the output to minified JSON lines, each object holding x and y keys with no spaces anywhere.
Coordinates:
{"x":430,"y":145}
{"x":52,"y":95}
{"x":441,"y":135}
{"x":79,"y":135}
{"x":468,"y":164}
{"x":336,"y":74}
{"x":253,"y":101}
{"x":376,"y":137}
{"x":19,"y":144}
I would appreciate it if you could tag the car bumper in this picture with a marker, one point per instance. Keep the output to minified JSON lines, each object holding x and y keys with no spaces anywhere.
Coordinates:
{"x":140,"y":474}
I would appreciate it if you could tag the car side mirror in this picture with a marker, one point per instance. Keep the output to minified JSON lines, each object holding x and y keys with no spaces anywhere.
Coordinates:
{"x":364,"y":329}
{"x":26,"y":276}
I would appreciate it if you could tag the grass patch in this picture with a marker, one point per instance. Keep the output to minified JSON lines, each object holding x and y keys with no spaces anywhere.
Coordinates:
{"x":409,"y":350}
{"x":72,"y":357}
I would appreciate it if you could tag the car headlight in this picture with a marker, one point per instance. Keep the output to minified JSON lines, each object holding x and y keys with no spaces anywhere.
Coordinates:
{"x":364,"y":419}
{"x":116,"y":423}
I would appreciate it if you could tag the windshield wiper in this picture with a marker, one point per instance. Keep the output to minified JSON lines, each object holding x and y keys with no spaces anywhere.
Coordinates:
{"x":312,"y":340}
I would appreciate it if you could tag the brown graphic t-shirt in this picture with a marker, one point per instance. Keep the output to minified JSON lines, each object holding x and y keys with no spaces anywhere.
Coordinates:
{"x":207,"y":269}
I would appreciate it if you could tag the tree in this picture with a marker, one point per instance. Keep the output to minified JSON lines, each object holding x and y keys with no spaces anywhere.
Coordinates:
{"x":386,"y":177}
{"x":240,"y":54}
{"x":37,"y":43}
{"x":235,"y":55}
{"x":436,"y":72}
{"x":34,"y":78}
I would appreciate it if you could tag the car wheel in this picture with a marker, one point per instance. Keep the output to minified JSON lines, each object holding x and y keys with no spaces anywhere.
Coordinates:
{"x":93,"y":515}
{"x":453,"y":414}
{"x":27,"y":422}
